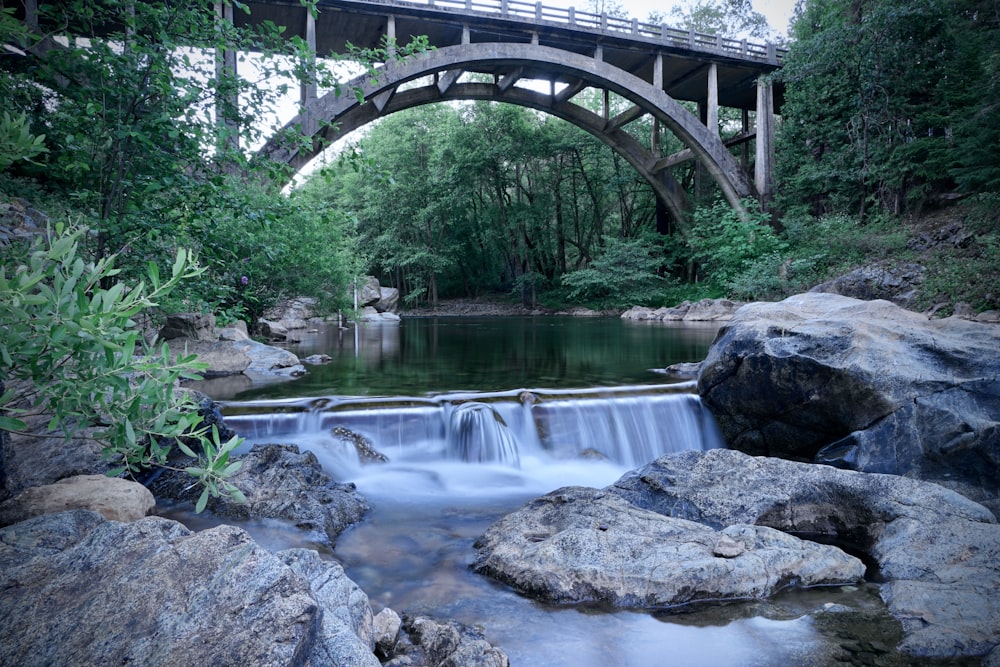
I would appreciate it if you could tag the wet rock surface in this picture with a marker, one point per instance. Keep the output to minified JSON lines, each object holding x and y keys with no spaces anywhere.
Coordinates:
{"x":938,"y":551}
{"x":581,"y":545}
{"x":279,"y":482}
{"x":425,"y":641}
{"x":80,"y":590}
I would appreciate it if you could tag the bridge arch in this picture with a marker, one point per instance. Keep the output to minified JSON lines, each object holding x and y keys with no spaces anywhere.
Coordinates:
{"x":336,"y":114}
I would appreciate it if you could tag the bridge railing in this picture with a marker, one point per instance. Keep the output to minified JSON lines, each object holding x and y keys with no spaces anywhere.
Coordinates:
{"x":536,"y":11}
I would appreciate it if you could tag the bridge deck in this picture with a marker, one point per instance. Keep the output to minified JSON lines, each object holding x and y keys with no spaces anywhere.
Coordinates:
{"x":626,"y":43}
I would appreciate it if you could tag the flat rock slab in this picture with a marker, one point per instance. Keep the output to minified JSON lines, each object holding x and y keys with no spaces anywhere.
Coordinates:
{"x":582,"y":545}
{"x":939,"y":550}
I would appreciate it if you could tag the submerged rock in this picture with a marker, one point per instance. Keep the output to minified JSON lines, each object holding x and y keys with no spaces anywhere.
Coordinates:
{"x":581,"y":545}
{"x":426,"y":641}
{"x":864,"y":385}
{"x":279,"y":482}
{"x":939,"y":551}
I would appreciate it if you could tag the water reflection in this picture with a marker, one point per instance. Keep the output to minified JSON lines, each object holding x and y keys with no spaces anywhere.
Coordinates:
{"x":428,"y":355}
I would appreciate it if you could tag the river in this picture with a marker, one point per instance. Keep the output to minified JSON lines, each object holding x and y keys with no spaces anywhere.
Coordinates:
{"x":478,"y":416}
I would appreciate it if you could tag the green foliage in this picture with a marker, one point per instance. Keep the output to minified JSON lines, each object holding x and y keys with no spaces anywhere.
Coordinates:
{"x":727,"y":245}
{"x":259,"y":246}
{"x":73,"y":347}
{"x":888,"y":103}
{"x":16,"y":140}
{"x":626,"y":273}
{"x":970,"y":273}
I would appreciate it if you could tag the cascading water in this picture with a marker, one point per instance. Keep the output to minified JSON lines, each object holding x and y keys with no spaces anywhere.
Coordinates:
{"x":478,"y":434}
{"x":627,"y":426}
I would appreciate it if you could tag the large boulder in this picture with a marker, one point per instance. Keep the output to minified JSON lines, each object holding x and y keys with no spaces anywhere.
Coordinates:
{"x":117,"y":499}
{"x":939,"y":551}
{"x":291,"y":314}
{"x":388,"y":301}
{"x":578,"y":544}
{"x":80,"y":590}
{"x":369,"y":292}
{"x":279,"y":482}
{"x":861,"y":384}
{"x":706,"y":310}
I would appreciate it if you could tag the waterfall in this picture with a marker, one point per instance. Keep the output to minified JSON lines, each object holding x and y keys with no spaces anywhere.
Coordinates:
{"x":478,"y":434}
{"x":628,"y":426}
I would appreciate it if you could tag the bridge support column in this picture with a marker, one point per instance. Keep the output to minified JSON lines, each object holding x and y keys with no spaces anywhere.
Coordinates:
{"x":307,"y":91}
{"x":764,"y":159}
{"x":712,"y":112}
{"x":226,"y":105}
{"x":390,"y":34}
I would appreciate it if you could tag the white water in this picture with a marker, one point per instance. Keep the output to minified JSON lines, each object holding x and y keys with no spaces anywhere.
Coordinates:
{"x":541,"y":434}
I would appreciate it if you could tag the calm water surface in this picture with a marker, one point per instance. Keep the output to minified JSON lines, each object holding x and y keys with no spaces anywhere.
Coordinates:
{"x":422,"y":356}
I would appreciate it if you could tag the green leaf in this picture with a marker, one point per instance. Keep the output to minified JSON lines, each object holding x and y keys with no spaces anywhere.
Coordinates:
{"x":202,"y":501}
{"x":11,"y":424}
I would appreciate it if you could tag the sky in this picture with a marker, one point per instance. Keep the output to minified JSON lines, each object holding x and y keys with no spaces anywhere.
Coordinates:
{"x":777,"y":12}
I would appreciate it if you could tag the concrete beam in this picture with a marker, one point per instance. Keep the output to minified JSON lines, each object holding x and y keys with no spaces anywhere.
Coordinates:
{"x":445,"y":81}
{"x":625,"y":117}
{"x":509,"y":80}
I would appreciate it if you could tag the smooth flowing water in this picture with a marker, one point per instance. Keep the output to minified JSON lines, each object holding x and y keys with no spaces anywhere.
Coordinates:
{"x":478,"y":416}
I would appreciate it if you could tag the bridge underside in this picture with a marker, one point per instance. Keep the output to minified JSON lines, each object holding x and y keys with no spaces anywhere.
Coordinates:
{"x":434,"y":77}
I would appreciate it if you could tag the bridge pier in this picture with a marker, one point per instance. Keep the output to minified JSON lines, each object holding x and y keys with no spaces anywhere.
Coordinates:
{"x":764,"y":162}
{"x":307,"y":90}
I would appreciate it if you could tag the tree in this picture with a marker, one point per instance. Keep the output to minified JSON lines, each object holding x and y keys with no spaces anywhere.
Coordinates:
{"x":887,"y":103}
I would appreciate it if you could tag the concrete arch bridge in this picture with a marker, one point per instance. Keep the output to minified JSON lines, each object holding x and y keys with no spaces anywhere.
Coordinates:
{"x":652,"y":67}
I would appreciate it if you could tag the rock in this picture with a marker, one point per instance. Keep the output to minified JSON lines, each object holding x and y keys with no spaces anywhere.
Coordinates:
{"x":711,"y":310}
{"x":578,"y":545}
{"x":369,"y":293}
{"x":237,"y":332}
{"x":196,"y":326}
{"x":116,"y":499}
{"x":706,"y":310}
{"x":272,"y":330}
{"x":426,"y":641}
{"x":80,"y":590}
{"x":346,"y":636}
{"x":939,"y":550}
{"x":687,"y":369}
{"x":316,"y":359}
{"x":388,"y":300}
{"x":897,"y":284}
{"x":257,"y":361}
{"x":386,"y":626}
{"x":364,"y":447}
{"x":291,"y":314}
{"x":989,"y":316}
{"x":279,"y":482}
{"x":861,"y":384}
{"x":964,"y":311}
{"x":369,"y":314}
{"x":41,"y":457}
